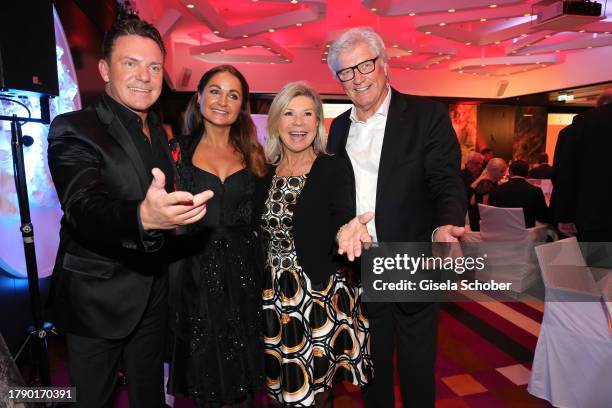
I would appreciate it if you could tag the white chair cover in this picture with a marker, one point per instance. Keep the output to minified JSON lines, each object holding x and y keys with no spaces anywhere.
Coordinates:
{"x":513,"y":260}
{"x":573,"y":357}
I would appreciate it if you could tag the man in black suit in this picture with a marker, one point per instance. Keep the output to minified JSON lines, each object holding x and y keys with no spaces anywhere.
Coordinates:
{"x":111,"y":167}
{"x":543,"y":170}
{"x":405,"y":156}
{"x":581,"y":197}
{"x":518,"y":193}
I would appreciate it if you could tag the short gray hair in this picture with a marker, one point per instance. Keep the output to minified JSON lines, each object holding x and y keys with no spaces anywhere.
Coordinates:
{"x":349,"y":39}
{"x":274,"y":145}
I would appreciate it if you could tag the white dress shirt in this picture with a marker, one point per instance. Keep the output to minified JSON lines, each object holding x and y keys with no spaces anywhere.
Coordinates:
{"x":364,"y":145}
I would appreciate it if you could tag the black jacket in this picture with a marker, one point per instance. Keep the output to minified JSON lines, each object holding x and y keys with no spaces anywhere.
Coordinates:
{"x":325,"y":203}
{"x":419,"y":184}
{"x":105,"y":264}
{"x":518,"y":193}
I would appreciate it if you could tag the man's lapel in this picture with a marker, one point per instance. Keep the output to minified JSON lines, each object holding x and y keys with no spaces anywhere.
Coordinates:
{"x":125,"y":140}
{"x":393,"y":133}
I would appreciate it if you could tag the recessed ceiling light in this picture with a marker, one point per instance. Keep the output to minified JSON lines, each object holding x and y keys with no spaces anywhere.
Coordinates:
{"x":468,"y":43}
{"x":271,"y":30}
{"x":442,"y":24}
{"x":493,"y":5}
{"x":245,"y":36}
{"x":323,"y":59}
{"x":395,"y":45}
{"x":590,"y":46}
{"x":547,"y":36}
{"x":451,"y":10}
{"x":407,"y":68}
{"x":222,"y":50}
{"x":497,"y":42}
{"x":606,"y":32}
{"x":374,"y":9}
{"x":482,"y":20}
{"x":325,"y":53}
{"x":189,"y":5}
{"x":412,"y":14}
{"x":523,"y":35}
{"x":294,"y":1}
{"x":298,"y":24}
{"x":202,"y":53}
{"x":244,"y":46}
{"x":557,"y":50}
{"x":215,"y":31}
{"x":427,"y":32}
{"x":327,"y":45}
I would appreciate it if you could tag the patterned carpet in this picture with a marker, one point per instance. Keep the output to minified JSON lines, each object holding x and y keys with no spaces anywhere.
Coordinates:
{"x":485,"y":352}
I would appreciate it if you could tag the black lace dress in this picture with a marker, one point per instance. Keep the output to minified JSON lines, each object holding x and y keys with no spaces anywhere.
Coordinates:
{"x":215,"y":300}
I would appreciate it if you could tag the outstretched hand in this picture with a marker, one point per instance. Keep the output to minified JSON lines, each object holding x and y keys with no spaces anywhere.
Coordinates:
{"x":161,"y":210}
{"x":448,"y":233}
{"x":352,"y":235}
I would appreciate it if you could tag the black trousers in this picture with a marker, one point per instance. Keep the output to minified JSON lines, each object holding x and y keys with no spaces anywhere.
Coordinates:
{"x":414,"y":334}
{"x":94,"y":362}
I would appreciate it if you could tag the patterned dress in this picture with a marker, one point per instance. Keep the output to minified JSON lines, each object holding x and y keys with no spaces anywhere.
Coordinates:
{"x":315,"y":335}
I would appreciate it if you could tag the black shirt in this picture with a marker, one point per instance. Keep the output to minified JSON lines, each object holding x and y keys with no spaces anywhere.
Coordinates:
{"x":152,"y":153}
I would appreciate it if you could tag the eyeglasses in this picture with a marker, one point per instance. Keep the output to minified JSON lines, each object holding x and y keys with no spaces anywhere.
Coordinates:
{"x":364,"y":67}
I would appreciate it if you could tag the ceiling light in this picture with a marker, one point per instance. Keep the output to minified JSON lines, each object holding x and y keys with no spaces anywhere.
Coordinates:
{"x":325,"y":53}
{"x":527,"y":14}
{"x":294,"y":1}
{"x":606,"y":32}
{"x":268,"y":48}
{"x":298,"y":24}
{"x":245,"y":36}
{"x":323,"y":59}
{"x":222,"y":50}
{"x":581,"y":31}
{"x":215,"y":31}
{"x":451,"y":10}
{"x":374,"y":9}
{"x":427,"y":32}
{"x":548,"y":36}
{"x":327,"y":45}
{"x":273,"y":63}
{"x":442,"y":24}
{"x":557,"y":50}
{"x":271,"y":30}
{"x":590,"y":46}
{"x":395,"y":45}
{"x":412,"y":14}
{"x":482,"y":20}
{"x":497,"y":42}
{"x":244,"y":46}
{"x":468,"y":43}
{"x":407,"y":68}
{"x":493,"y":5}
{"x":461,"y":72}
{"x":523,"y":35}
{"x":189,"y":5}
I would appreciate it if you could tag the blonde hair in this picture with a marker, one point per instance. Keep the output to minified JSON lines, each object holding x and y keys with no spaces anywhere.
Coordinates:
{"x":274,"y":145}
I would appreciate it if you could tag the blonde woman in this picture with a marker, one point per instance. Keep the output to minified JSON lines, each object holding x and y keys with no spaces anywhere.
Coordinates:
{"x":314,"y":333}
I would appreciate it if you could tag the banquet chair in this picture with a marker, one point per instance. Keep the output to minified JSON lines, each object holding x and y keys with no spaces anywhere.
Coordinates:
{"x":573,"y":356}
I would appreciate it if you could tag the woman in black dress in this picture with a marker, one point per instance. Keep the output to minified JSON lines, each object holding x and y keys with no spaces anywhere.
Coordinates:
{"x":315,"y":335}
{"x":215,"y":293}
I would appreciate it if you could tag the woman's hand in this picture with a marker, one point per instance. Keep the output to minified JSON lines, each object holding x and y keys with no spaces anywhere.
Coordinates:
{"x":353,"y":234}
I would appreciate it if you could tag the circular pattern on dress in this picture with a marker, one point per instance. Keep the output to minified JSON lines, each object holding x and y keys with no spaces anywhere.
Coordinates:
{"x":314,"y":338}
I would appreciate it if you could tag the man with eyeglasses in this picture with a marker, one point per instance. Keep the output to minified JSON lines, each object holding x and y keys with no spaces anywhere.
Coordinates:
{"x":406,"y":161}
